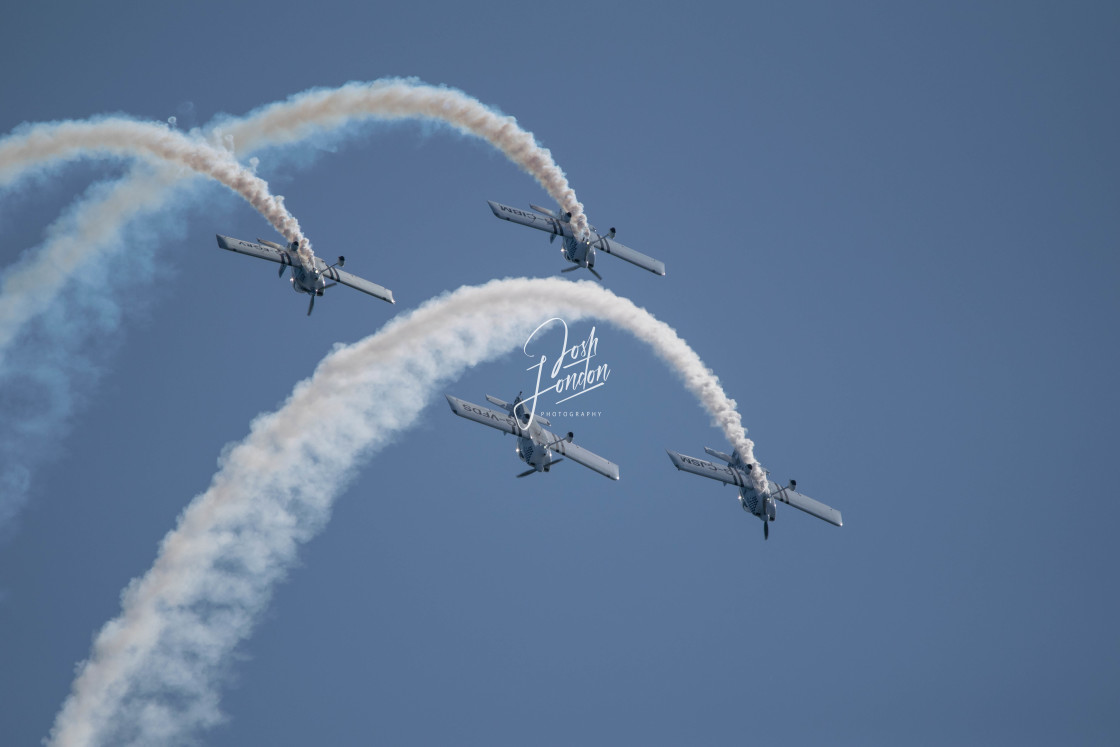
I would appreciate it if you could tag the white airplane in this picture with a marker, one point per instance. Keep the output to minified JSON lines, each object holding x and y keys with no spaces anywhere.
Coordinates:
{"x":738,"y":473}
{"x":576,"y":249}
{"x":311,"y":282}
{"x":534,"y":444}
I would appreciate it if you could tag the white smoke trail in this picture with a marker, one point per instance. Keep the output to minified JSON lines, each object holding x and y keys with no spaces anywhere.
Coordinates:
{"x":60,"y":314}
{"x":401,"y":98}
{"x":215,"y":572}
{"x":33,"y":285}
{"x":92,"y":229}
{"x":277,"y":124}
{"x":57,"y":328}
{"x":29,"y":287}
{"x":39,"y":145}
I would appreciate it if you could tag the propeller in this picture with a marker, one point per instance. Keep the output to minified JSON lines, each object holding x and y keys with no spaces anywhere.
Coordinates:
{"x":282,"y":268}
{"x":765,"y":530}
{"x":311,"y":305}
{"x":546,"y":467}
{"x":573,"y":268}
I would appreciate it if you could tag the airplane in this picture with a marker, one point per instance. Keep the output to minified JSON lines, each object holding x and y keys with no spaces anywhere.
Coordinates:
{"x":577,"y":250}
{"x":304,"y":280}
{"x":737,"y":473}
{"x":534,"y":444}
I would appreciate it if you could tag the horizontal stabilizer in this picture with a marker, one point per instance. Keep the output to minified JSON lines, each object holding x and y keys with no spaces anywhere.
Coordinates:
{"x":718,"y":454}
{"x":508,"y":407}
{"x":272,"y":244}
{"x":546,"y":211}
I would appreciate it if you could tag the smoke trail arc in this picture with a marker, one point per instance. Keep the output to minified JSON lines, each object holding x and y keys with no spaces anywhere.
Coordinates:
{"x":93,"y":226}
{"x":36,"y":281}
{"x":39,"y":145}
{"x":405,"y":98}
{"x":216,"y":570}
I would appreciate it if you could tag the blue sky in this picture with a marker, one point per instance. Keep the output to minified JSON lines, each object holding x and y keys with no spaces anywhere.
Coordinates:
{"x":889,"y":228}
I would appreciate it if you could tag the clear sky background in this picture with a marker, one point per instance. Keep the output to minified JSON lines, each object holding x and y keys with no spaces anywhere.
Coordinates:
{"x":891,"y":229}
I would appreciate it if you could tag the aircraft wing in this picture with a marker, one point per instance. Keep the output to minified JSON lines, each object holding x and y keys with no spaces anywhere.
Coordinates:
{"x":807,"y":504}
{"x":612,"y":247}
{"x":357,"y":283}
{"x":480,"y":414}
{"x":260,"y":251}
{"x":580,"y":455}
{"x":704,"y":468}
{"x":530,"y":218}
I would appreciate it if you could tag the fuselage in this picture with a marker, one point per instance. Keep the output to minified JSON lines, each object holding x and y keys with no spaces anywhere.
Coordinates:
{"x":536,"y":455}
{"x":575,"y":249}
{"x":764,"y":508}
{"x":531,"y":448}
{"x":311,"y":283}
{"x":750,"y":499}
{"x":578,"y":251}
